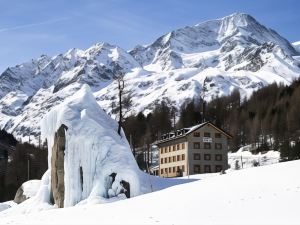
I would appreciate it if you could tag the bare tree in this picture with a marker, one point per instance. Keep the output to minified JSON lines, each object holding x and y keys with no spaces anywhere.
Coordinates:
{"x":204,"y":89}
{"x":124,"y":100}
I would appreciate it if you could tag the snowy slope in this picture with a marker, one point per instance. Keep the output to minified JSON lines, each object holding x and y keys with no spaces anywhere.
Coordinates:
{"x":296,"y":45}
{"x":234,"y":52}
{"x":262,"y":195}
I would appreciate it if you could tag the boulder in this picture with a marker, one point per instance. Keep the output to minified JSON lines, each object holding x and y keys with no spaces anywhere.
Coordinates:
{"x":20,"y":197}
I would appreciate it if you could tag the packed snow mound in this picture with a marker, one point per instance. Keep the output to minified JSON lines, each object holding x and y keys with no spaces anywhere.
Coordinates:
{"x":27,"y":190}
{"x":31,"y":187}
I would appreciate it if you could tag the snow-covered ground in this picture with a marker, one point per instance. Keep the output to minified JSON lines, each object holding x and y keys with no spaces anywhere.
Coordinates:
{"x":260,"y":195}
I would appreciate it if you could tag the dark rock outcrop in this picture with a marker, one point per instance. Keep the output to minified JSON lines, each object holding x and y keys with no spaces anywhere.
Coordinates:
{"x":57,"y":167}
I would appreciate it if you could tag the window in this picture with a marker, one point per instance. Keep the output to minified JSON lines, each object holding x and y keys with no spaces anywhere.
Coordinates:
{"x":196,"y":168}
{"x":196,"y":134}
{"x":218,"y":157}
{"x":161,"y":171}
{"x":196,"y":145}
{"x":174,"y":158}
{"x":207,"y":169}
{"x":170,"y":159}
{"x":183,"y":157}
{"x":174,"y":169}
{"x":183,"y":168}
{"x":166,"y":160}
{"x":218,"y":145}
{"x":178,"y":158}
{"x":174,"y":148}
{"x":206,"y":134}
{"x":182,"y":146}
{"x":217,"y":135}
{"x":207,"y":157}
{"x":219,"y":168}
{"x":161,"y":161}
{"x":178,"y":146}
{"x":207,"y":145}
{"x":162,"y":151}
{"x":170,"y":169}
{"x":166,"y":170}
{"x":196,"y":156}
{"x":170,"y":149}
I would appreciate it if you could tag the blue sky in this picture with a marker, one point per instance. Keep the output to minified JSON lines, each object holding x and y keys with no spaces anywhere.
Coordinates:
{"x":29,"y":28}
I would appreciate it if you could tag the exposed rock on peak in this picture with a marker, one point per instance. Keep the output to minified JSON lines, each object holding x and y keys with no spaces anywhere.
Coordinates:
{"x":235,"y":52}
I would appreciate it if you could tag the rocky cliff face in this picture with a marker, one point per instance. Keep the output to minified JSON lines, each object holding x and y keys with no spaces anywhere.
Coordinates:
{"x":234,"y":52}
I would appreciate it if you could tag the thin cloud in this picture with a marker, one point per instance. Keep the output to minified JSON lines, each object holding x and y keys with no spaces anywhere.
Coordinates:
{"x":33,"y":24}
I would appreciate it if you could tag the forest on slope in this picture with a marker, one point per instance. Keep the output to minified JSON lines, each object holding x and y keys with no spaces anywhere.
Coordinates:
{"x":270,"y":119}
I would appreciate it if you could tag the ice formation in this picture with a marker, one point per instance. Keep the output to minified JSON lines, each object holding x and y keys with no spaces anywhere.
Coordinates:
{"x":98,"y":162}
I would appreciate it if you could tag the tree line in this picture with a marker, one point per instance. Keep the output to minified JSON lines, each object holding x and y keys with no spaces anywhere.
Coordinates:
{"x":19,"y":162}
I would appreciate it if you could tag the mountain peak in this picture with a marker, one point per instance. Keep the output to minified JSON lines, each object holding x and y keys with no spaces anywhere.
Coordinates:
{"x":240,"y":15}
{"x":100,"y":45}
{"x":235,"y":51}
{"x":229,"y":34}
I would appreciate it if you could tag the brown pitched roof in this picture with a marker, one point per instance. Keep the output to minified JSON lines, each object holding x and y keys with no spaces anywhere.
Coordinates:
{"x":193,"y":128}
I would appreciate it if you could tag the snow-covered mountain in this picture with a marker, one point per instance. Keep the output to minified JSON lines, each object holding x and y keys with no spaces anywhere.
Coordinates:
{"x":231,"y":41}
{"x":31,"y":89}
{"x":234,"y":52}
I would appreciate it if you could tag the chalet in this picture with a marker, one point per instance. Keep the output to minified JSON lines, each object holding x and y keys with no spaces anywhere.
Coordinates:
{"x":199,"y":149}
